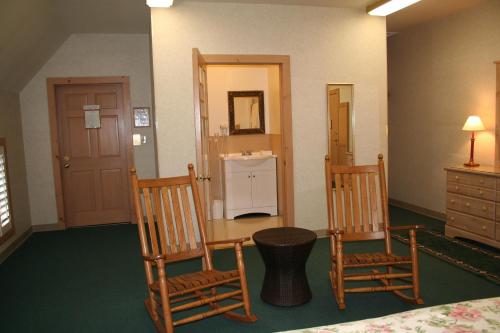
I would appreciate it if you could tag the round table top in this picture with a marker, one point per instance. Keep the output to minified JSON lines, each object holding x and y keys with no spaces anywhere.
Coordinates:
{"x":284,"y":236}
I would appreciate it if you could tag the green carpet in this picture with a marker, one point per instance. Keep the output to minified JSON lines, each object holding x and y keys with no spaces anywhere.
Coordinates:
{"x":92,"y":280}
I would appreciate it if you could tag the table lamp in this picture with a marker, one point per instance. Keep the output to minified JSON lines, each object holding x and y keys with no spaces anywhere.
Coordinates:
{"x":472,"y":124}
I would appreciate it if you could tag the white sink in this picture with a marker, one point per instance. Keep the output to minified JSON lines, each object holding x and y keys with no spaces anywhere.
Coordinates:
{"x":256,"y":155}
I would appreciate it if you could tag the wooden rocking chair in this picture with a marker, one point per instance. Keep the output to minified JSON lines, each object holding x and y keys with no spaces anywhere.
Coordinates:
{"x":358,"y":211}
{"x":169,"y":236}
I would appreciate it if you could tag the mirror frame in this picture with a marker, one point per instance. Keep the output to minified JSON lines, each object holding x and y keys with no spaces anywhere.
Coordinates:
{"x":252,"y":93}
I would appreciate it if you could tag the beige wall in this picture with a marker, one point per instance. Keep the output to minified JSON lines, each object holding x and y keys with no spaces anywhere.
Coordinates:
{"x":10,"y":128}
{"x":82,"y":55}
{"x":439,"y":73}
{"x":221,"y":79}
{"x":325,"y":45}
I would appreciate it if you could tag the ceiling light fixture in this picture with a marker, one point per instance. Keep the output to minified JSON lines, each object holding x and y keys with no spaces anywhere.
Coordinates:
{"x":386,"y":7}
{"x":160,"y":3}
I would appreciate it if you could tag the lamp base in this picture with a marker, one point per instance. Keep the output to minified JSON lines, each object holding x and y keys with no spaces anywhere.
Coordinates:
{"x":471,"y":164}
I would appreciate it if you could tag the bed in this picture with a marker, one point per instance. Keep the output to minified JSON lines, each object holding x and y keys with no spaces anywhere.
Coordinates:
{"x":477,"y":316}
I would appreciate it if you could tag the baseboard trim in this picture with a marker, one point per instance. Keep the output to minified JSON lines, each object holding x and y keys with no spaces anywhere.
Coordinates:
{"x":47,"y":227}
{"x":15,"y":244}
{"x":321,"y":233}
{"x":417,"y":209}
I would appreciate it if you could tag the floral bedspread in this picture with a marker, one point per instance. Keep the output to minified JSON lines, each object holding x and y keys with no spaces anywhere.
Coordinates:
{"x":479,"y":316}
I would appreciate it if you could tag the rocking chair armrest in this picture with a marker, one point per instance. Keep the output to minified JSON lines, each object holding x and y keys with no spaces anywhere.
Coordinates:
{"x":154,"y":257}
{"x":407,"y":227}
{"x":228,"y":241}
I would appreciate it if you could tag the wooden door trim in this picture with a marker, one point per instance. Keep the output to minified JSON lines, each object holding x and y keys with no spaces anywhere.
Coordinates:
{"x":285,"y":116}
{"x":52,"y":84}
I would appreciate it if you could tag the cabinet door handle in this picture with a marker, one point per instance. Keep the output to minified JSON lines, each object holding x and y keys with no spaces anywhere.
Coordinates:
{"x":253,"y":176}
{"x":467,"y":204}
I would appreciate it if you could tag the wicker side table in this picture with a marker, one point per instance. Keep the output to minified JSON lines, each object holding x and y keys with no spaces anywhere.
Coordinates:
{"x":285,"y":252}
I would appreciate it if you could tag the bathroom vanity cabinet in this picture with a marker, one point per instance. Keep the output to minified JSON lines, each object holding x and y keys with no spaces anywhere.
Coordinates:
{"x":249,"y":184}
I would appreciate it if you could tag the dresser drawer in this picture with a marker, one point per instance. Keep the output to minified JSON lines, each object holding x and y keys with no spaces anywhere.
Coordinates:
{"x":471,"y":179}
{"x":472,"y":206}
{"x":470,"y":223}
{"x":473,"y":191}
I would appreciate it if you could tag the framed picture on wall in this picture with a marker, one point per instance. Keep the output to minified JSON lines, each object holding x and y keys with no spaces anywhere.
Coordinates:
{"x":141,"y":117}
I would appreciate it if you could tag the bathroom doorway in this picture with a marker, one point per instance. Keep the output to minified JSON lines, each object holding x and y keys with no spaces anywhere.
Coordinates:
{"x":243,"y":118}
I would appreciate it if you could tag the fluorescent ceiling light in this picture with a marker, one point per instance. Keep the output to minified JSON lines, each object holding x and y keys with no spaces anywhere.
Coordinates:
{"x":386,"y":7}
{"x":160,"y":3}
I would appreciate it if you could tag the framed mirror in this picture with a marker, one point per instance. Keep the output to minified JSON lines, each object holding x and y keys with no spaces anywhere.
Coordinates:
{"x":340,"y":122}
{"x":246,"y":112}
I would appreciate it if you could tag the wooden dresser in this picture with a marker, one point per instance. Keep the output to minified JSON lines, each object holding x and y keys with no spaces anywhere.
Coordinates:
{"x":473,"y":204}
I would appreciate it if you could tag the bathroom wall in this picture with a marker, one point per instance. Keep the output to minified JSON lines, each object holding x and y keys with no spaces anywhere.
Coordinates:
{"x":224,"y":78}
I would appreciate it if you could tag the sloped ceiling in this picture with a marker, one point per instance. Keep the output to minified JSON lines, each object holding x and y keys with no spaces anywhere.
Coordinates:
{"x":31,"y":31}
{"x":30,"y":34}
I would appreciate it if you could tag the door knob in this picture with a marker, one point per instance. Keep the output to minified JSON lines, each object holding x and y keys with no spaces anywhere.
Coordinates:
{"x":66,"y":158}
{"x":66,"y":165}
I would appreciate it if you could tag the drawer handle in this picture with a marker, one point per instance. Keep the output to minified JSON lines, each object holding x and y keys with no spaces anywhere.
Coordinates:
{"x":452,"y":201}
{"x":485,"y":208}
{"x":467,"y":204}
{"x":480,"y":192}
{"x":456,"y":188}
{"x":483,"y":227}
{"x":456,"y":177}
{"x":481,"y":181}
{"x":452,"y":218}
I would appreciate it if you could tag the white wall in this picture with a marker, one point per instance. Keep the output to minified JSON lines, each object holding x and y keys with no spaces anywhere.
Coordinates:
{"x":439,"y":73}
{"x":325,"y":45}
{"x":81,"y":55}
{"x":221,"y":79}
{"x":10,"y":129}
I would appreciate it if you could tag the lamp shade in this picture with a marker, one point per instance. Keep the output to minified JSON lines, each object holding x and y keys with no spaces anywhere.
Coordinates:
{"x":473,"y":123}
{"x":160,"y":3}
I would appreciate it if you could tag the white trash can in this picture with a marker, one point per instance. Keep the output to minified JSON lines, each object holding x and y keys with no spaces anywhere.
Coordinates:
{"x":217,"y":209}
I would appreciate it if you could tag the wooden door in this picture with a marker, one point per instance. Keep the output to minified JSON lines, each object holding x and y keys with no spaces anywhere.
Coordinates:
{"x":94,"y":162}
{"x":201,"y":109}
{"x":333,"y":110}
{"x":343,"y":136}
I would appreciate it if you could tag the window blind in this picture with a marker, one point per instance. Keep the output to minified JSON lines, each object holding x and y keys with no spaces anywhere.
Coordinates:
{"x":5,"y":218}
